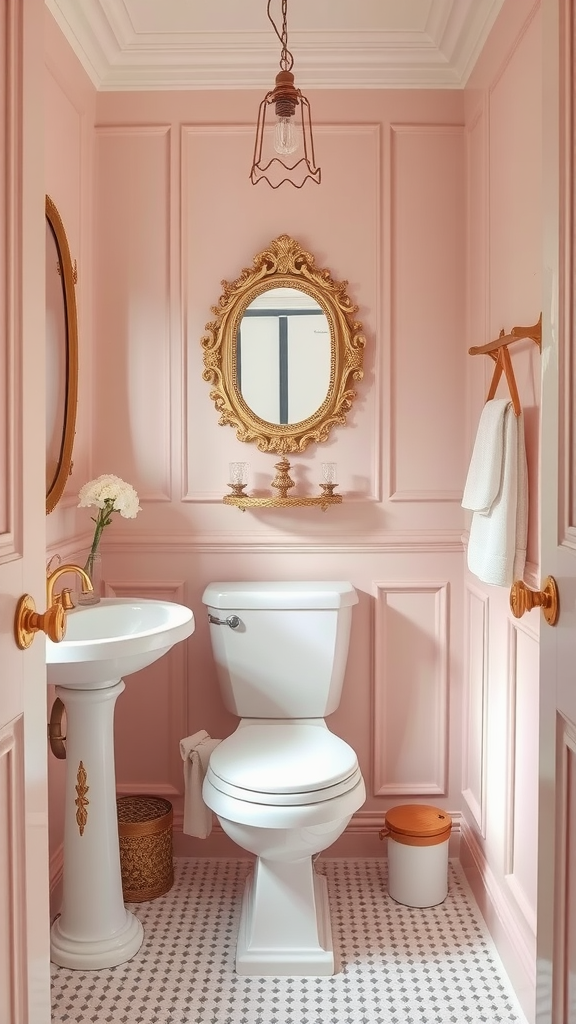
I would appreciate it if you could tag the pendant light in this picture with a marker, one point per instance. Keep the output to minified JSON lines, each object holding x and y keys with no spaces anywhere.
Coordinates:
{"x":290,"y":135}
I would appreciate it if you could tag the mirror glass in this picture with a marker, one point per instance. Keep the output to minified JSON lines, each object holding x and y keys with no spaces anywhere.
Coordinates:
{"x":61,"y":357}
{"x":283,"y":355}
{"x":284,"y":351}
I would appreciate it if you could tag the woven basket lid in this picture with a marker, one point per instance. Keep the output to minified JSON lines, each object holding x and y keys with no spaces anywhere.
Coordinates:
{"x":418,"y":820}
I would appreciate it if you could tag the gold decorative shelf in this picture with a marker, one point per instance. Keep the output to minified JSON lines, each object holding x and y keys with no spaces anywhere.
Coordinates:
{"x":282,"y":483}
{"x":244,"y":501}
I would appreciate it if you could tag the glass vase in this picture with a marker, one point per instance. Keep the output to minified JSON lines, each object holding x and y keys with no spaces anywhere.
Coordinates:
{"x":93,"y":567}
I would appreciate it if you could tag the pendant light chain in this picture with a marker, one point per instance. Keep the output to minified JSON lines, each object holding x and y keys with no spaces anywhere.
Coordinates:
{"x":286,"y":58}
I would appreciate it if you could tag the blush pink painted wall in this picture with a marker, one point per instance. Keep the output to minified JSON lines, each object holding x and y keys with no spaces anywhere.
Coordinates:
{"x":176,"y":215}
{"x":423,"y":196}
{"x":163,"y":197}
{"x":501,"y":673}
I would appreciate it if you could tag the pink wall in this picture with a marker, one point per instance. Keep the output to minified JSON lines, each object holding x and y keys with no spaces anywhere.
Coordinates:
{"x":429,"y":208}
{"x":501,"y":680}
{"x":176,"y":215}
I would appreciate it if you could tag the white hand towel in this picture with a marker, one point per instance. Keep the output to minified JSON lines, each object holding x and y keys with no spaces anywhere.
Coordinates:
{"x":485,"y":472}
{"x":195,"y":751}
{"x":497,"y":493}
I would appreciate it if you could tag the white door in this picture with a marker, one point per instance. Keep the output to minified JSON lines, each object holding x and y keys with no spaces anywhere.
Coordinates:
{"x":556,"y":977}
{"x":24,"y":924}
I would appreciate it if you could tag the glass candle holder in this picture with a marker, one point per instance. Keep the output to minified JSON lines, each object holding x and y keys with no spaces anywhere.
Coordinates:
{"x":238,"y":476}
{"x":329,"y":473}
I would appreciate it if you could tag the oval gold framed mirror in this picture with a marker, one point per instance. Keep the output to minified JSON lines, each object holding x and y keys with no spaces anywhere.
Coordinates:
{"x":61,"y":357}
{"x":283,"y":351}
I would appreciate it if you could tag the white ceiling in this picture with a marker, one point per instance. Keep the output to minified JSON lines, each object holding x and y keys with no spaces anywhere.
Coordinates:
{"x":227,"y":44}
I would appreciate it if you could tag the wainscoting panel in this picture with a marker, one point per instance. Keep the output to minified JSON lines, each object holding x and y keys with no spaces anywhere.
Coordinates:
{"x":132,"y":317}
{"x":565,"y":939}
{"x":427,"y":175}
{"x":221,"y":237}
{"x":411,"y":681}
{"x":474,"y":730}
{"x":151,"y":714}
{"x":522,"y":790}
{"x":12,"y":893}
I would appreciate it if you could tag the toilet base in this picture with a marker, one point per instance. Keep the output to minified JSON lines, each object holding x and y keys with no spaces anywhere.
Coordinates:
{"x":285,"y":927}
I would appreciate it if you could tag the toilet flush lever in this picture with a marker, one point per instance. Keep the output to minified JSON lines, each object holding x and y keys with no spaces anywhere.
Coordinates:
{"x":231,"y":620}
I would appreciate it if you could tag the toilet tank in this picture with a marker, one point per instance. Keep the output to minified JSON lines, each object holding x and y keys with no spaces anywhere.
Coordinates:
{"x":287,"y":656}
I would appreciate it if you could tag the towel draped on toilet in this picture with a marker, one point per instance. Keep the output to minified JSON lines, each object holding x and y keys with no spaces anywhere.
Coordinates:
{"x":195,"y":751}
{"x":496,"y":492}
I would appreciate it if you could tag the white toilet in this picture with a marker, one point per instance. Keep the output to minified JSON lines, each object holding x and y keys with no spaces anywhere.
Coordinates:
{"x":283,"y":786}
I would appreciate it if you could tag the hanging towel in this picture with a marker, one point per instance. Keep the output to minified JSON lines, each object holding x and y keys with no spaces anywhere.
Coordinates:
{"x":196,"y":752}
{"x":496,"y":492}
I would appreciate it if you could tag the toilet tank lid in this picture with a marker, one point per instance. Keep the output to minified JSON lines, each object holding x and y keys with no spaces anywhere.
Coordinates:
{"x":290,"y":594}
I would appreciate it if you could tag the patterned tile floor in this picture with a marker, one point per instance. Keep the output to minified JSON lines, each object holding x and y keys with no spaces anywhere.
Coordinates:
{"x":398,"y":965}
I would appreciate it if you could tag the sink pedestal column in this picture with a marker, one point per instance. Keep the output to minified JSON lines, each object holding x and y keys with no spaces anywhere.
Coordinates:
{"x":94,"y":929}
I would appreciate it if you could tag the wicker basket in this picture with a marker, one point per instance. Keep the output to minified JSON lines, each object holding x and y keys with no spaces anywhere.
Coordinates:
{"x":145,"y":829}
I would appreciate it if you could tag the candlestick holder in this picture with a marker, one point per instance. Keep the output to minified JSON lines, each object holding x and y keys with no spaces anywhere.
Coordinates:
{"x":282,"y":483}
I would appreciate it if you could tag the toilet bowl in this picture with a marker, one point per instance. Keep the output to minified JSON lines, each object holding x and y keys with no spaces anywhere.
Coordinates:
{"x":283,"y":786}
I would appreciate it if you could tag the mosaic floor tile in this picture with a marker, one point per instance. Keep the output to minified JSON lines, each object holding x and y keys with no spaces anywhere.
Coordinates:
{"x":397,"y":965}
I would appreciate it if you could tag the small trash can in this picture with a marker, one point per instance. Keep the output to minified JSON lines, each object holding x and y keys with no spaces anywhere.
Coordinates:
{"x":417,"y":854}
{"x":145,"y":831}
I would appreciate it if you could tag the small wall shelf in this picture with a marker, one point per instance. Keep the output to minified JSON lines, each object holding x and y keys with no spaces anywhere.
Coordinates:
{"x":282,"y":483}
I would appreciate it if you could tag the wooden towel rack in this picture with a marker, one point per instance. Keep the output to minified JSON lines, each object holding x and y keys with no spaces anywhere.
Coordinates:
{"x":498,"y":351}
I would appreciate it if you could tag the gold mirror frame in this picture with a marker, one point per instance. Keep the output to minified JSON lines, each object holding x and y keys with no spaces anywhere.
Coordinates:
{"x":68,"y":275}
{"x":283,"y":264}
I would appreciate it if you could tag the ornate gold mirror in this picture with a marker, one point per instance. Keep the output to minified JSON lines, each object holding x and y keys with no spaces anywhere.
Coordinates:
{"x":61,"y":357}
{"x":283,"y":351}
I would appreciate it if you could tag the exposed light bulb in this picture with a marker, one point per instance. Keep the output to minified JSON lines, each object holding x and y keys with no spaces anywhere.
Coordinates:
{"x":285,"y":136}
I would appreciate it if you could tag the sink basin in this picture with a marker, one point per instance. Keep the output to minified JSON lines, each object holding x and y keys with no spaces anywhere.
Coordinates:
{"x":105,"y":642}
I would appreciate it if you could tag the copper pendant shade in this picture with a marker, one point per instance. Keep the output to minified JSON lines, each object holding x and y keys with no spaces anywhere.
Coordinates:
{"x":290,"y":135}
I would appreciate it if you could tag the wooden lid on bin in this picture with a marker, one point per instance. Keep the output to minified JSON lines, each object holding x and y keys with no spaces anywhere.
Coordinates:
{"x":418,"y":820}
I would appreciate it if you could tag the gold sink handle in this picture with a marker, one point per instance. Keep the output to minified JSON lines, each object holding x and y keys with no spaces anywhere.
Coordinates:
{"x":64,"y":597}
{"x":522,"y":599}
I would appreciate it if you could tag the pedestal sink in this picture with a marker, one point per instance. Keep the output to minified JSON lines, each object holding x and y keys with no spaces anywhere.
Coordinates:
{"x":103,"y":643}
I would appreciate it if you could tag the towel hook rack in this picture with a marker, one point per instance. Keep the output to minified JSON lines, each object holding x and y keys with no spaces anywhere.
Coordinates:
{"x":498,"y":351}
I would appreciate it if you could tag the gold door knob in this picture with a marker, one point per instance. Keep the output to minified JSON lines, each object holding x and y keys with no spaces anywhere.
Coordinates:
{"x":522,"y":599}
{"x":28,"y":622}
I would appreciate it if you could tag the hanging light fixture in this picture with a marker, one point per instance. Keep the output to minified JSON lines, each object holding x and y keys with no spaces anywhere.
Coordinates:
{"x":292,"y":132}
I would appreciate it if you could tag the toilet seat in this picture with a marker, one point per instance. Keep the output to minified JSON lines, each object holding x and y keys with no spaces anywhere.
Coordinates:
{"x":283,"y":765}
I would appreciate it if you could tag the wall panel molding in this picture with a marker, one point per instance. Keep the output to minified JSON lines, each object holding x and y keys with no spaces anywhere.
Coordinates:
{"x":426,"y":176}
{"x":411,"y":688}
{"x":521,"y":784}
{"x":203,"y":145}
{"x":394,"y":543}
{"x":565,"y":916}
{"x":134,"y":270}
{"x":475,"y":724}
{"x":12,"y":882}
{"x":154,"y":704}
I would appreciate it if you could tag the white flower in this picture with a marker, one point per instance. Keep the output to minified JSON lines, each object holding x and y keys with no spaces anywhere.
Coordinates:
{"x":111,"y":493}
{"x":108,"y":494}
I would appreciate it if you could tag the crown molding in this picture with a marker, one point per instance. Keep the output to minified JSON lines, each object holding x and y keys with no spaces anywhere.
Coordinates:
{"x":116,"y":56}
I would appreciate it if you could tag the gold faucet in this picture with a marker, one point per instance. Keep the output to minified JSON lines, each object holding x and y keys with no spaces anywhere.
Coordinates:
{"x":64,"y":597}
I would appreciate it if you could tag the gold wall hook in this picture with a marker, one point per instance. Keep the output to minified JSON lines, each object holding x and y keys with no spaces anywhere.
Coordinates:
{"x":522,"y":599}
{"x":28,"y":622}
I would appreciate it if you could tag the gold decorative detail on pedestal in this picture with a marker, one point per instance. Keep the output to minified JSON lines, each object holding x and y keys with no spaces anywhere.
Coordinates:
{"x":282,"y":482}
{"x":81,"y":801}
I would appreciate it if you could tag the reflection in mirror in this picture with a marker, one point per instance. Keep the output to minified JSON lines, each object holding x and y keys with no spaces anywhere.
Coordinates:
{"x":56,"y":370}
{"x":284,"y":350}
{"x":61,"y":357}
{"x":283,"y":356}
